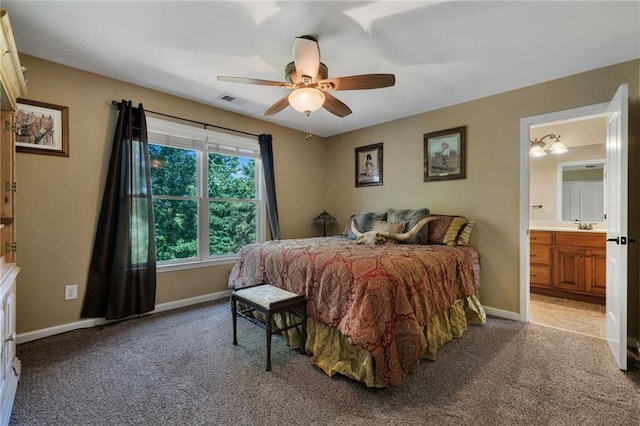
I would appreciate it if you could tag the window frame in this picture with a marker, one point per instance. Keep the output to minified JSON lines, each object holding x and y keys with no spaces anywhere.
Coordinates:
{"x":205,"y":141}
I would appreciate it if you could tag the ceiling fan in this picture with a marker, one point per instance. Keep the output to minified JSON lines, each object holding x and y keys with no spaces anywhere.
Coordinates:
{"x":309,"y":79}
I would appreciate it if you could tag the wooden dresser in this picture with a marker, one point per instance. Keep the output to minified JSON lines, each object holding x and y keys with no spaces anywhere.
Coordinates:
{"x":13,"y":86}
{"x":569,"y":264}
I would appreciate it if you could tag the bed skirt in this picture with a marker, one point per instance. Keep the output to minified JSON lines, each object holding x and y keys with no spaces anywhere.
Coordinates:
{"x":331,"y":351}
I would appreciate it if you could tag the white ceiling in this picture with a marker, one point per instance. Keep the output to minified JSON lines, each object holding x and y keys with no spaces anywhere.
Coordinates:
{"x":442,"y":52}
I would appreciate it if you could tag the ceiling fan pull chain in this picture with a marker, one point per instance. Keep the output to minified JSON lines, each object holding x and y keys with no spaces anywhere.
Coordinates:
{"x":308,"y":137}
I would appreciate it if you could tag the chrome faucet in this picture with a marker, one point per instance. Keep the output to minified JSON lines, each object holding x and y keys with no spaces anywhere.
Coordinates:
{"x":586,"y":226}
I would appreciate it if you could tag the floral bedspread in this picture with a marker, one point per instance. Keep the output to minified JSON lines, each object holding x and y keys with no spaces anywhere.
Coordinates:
{"x":379,"y":296}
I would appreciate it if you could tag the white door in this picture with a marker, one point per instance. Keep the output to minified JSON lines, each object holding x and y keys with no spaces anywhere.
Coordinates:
{"x":617,"y":238}
{"x":583,"y":201}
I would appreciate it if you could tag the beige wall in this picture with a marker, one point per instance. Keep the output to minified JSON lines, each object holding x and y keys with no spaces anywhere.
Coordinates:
{"x":491,"y":192}
{"x":59,"y":198}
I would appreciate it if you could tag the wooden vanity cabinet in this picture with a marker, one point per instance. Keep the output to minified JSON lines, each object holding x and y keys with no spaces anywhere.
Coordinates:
{"x":577,"y":264}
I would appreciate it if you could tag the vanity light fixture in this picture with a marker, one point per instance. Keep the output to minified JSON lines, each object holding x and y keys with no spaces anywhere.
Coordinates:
{"x":537,"y":146}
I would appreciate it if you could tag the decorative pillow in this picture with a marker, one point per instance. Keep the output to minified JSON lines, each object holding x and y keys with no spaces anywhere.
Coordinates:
{"x":465,"y":234}
{"x":347,"y":228}
{"x":411,"y":218}
{"x":393,"y":227}
{"x":364,"y":221}
{"x":438,"y":228}
{"x":451,"y":237}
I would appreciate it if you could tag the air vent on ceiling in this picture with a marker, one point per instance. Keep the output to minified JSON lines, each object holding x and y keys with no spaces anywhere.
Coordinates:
{"x":232,"y":99}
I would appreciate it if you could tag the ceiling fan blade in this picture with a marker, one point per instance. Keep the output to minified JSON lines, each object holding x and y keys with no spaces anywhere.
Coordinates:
{"x":358,"y":82}
{"x":278,"y":106}
{"x":306,"y":55}
{"x":335,"y":106}
{"x":255,"y":81}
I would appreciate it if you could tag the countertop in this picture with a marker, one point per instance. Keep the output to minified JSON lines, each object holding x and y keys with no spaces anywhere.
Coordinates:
{"x":566,"y":229}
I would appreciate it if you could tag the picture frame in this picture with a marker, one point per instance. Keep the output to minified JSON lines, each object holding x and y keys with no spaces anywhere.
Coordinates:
{"x":445,"y":154}
{"x":369,"y":165}
{"x":42,"y":128}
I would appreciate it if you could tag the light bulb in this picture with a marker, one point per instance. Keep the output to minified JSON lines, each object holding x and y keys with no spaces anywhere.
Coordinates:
{"x":537,"y":151}
{"x":558,"y":148}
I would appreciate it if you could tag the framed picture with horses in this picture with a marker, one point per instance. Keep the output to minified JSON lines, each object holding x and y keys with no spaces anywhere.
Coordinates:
{"x":42,"y":128}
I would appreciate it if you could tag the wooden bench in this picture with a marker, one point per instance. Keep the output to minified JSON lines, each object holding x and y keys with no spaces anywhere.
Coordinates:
{"x":269,"y":300}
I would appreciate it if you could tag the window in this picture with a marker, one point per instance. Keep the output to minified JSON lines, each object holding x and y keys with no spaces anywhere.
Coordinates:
{"x":207,"y":193}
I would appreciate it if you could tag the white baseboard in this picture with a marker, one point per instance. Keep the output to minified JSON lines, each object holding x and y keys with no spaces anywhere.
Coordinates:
{"x":63,"y":328}
{"x":515,"y":316}
{"x":51,"y":331}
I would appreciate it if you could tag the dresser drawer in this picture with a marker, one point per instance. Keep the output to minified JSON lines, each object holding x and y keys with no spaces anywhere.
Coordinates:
{"x":540,"y":275}
{"x":576,"y":239}
{"x":540,"y":237}
{"x":540,"y":254}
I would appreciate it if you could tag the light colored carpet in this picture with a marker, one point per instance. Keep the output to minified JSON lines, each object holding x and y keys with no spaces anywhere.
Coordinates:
{"x":179,"y":367}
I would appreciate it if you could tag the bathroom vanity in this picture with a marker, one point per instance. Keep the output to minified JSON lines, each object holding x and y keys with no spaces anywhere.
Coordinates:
{"x":569,"y":263}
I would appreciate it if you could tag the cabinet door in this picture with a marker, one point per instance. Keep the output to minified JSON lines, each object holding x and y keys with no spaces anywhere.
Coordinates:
{"x":3,"y":351}
{"x":10,"y":328}
{"x":7,"y":187}
{"x":596,"y":271}
{"x":569,"y":268}
{"x":7,"y":158}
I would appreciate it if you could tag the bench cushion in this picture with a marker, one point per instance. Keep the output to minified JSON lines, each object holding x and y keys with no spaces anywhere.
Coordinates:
{"x":265,"y":295}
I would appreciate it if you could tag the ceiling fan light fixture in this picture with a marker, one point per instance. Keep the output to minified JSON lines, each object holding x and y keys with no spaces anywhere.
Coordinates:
{"x":306,"y":99}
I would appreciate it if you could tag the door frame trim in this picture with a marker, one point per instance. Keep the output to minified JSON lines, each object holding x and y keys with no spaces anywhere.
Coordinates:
{"x":574,"y":114}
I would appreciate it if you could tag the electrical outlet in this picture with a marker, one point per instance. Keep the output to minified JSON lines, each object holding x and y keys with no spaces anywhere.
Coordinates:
{"x":71,"y":292}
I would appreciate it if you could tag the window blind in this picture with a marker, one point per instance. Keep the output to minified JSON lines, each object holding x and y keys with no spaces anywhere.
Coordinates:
{"x":188,"y":137}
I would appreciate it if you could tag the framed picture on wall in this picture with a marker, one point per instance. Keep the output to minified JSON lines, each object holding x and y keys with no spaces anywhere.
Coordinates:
{"x":445,"y":154}
{"x":369,"y":165}
{"x":42,"y":128}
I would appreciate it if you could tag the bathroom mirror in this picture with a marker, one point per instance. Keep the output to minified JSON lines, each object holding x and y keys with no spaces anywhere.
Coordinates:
{"x":581,"y":190}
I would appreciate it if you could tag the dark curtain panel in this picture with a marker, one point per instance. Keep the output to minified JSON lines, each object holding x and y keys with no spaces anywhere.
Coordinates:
{"x":266,"y":151}
{"x":122,"y":274}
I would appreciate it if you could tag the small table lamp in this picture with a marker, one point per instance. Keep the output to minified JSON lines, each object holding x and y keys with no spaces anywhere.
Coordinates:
{"x":323,"y":218}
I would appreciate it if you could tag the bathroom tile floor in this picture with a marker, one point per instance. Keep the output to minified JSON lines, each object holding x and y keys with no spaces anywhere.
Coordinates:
{"x":572,"y":315}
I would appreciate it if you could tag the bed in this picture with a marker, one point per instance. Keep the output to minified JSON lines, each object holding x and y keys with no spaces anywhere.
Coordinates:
{"x":375,"y":307}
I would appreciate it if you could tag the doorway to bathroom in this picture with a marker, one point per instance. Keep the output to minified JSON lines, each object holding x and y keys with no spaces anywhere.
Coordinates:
{"x":568,"y":230}
{"x":579,"y":263}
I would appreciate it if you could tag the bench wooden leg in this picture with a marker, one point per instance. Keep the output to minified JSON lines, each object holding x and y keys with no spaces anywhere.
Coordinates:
{"x":269,"y":322}
{"x":234,"y":310}
{"x":292,"y":305}
{"x":304,"y":330}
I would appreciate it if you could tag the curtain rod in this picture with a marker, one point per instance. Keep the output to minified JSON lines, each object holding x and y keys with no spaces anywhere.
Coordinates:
{"x":117,"y":104}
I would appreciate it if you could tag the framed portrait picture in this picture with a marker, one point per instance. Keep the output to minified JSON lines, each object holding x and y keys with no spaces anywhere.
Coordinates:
{"x":369,"y":165}
{"x":445,"y":154}
{"x":42,"y":128}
